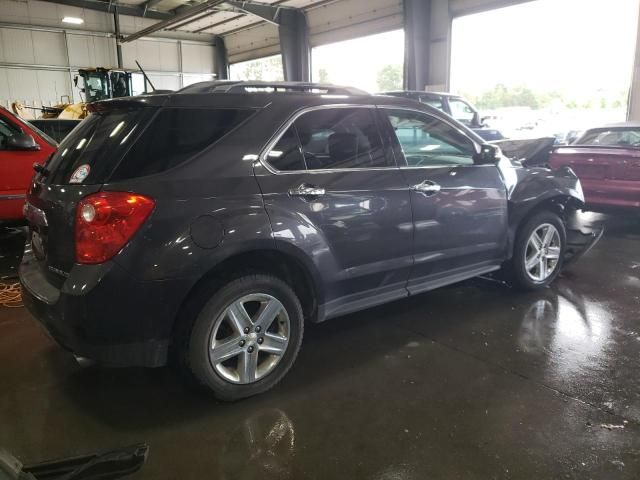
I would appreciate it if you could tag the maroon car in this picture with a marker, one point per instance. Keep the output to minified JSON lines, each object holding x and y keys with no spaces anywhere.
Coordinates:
{"x":607,"y":161}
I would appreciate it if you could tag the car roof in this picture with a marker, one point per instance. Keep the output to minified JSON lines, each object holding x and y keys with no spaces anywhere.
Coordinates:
{"x":229,"y":94}
{"x":422,"y":92}
{"x":615,"y":126}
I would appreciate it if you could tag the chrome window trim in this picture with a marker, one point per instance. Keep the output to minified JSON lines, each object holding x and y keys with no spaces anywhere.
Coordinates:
{"x":281,"y":131}
{"x":17,"y":196}
{"x":476,"y":145}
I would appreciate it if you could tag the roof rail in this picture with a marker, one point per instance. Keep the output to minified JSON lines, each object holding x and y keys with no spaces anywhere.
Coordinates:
{"x":271,"y":87}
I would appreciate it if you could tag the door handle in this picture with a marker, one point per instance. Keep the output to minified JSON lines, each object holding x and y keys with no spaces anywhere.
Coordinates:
{"x":305,"y":190}
{"x":427,"y":187}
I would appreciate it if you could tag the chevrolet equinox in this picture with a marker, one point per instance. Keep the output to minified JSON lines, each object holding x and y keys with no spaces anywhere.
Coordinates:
{"x":208,"y":225}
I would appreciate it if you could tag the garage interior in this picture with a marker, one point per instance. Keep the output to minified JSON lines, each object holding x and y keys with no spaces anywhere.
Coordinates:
{"x":474,"y":380}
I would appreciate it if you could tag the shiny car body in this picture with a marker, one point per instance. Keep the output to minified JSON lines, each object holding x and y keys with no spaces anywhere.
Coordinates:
{"x":345,"y":237}
{"x":16,"y":163}
{"x":607,"y":161}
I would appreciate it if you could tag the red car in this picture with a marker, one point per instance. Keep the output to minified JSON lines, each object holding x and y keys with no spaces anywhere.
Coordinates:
{"x":607,"y":161}
{"x":21,"y":145}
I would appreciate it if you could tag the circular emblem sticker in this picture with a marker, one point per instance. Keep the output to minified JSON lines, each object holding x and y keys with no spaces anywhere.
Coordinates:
{"x":80,"y":174}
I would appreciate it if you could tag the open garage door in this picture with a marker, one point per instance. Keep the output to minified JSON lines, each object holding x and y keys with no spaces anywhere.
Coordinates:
{"x":547,"y":67}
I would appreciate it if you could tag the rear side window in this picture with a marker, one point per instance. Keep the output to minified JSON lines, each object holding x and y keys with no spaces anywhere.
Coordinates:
{"x":174,"y":136}
{"x":332,"y":138}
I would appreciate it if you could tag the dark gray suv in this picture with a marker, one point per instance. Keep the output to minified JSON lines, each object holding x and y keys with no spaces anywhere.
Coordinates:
{"x":213,"y":222}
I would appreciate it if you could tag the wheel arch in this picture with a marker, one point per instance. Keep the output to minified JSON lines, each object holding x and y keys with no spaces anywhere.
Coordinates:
{"x":562,"y":204}
{"x":271,"y":261}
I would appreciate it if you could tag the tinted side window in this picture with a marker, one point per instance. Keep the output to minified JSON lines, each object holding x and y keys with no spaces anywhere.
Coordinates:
{"x":174,"y":136}
{"x":286,"y":155}
{"x":341,"y":138}
{"x":426,"y":140}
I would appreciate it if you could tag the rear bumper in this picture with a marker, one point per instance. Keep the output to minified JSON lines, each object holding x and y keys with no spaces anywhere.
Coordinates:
{"x":102,"y":313}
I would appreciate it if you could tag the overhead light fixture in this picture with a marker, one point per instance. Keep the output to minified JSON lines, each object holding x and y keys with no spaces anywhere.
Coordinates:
{"x":74,"y":20}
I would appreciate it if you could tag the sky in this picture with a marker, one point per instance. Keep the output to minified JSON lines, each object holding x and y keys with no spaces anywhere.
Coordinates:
{"x":579,"y":46}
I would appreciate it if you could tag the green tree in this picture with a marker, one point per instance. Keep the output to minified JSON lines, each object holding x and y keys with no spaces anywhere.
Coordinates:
{"x":390,"y":78}
{"x":323,"y":76}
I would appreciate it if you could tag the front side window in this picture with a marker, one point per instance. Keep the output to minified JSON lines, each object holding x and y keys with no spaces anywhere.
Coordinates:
{"x":427,"y":141}
{"x":461,"y":111}
{"x":286,"y":155}
{"x":332,"y":138}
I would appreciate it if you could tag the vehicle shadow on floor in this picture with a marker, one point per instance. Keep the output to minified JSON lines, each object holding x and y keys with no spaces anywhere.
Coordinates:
{"x":130,"y":399}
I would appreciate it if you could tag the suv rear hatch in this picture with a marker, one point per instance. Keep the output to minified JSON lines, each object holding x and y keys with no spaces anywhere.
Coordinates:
{"x":121,"y":140}
{"x":83,"y":162}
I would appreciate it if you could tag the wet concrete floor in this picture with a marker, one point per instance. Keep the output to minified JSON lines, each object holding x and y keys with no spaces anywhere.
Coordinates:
{"x":473,"y":381}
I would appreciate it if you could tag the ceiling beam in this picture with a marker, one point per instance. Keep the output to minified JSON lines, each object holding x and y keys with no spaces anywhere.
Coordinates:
{"x":123,"y":9}
{"x":186,"y":14}
{"x":265,"y":11}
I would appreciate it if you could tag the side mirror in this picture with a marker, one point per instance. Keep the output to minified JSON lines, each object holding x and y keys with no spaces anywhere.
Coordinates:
{"x":476,"y":120}
{"x":489,"y":155}
{"x":22,"y":142}
{"x":75,"y":81}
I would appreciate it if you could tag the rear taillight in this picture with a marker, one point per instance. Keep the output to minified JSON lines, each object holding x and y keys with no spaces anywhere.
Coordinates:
{"x":106,"y":221}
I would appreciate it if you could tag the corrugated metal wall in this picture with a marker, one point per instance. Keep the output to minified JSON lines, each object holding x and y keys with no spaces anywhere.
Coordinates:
{"x":37,"y":64}
{"x":328,"y":23}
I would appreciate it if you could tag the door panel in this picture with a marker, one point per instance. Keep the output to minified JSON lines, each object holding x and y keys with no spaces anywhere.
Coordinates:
{"x":460,"y":227}
{"x":348,"y":210}
{"x":459,"y":208}
{"x":358,"y":233}
{"x":16,"y":171}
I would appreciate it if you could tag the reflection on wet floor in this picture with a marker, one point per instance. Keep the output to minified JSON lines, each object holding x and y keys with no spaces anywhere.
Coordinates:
{"x":472,"y":381}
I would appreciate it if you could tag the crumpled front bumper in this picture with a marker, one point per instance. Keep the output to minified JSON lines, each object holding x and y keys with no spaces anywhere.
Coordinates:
{"x":580,"y":239}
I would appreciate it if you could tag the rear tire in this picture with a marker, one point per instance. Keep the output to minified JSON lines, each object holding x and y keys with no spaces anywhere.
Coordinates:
{"x":244,"y":338}
{"x":538,"y":252}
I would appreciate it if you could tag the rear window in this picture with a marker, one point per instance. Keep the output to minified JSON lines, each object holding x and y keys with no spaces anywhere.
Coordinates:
{"x":96,"y":144}
{"x":621,"y":137}
{"x":116,"y":145}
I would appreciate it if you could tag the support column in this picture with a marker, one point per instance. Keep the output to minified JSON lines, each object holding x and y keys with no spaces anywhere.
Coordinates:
{"x":116,"y":24}
{"x":221,"y":60}
{"x":294,"y":45}
{"x":417,"y":19}
{"x":633,"y":111}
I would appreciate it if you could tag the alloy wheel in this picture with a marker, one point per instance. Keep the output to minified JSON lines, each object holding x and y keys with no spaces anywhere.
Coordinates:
{"x":542,"y":254}
{"x":249,"y":338}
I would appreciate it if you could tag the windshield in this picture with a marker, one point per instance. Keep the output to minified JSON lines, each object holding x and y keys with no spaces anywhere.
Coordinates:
{"x":46,"y":137}
{"x":96,"y":86}
{"x":616,"y":137}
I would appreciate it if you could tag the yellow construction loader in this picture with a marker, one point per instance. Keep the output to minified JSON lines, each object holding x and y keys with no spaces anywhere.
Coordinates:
{"x":99,"y":83}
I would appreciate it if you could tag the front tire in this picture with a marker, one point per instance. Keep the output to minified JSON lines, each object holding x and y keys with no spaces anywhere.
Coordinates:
{"x":245,"y":338}
{"x":538,"y":252}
